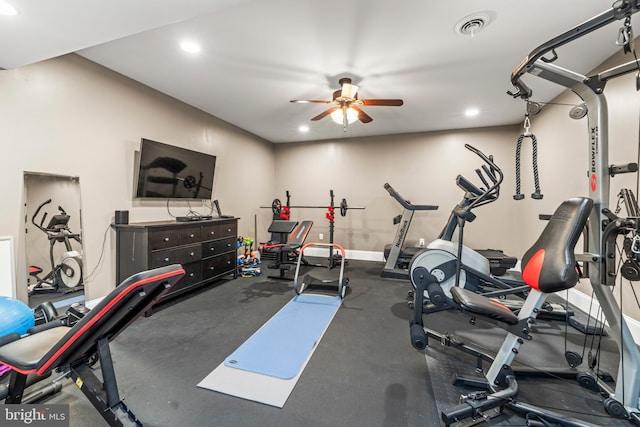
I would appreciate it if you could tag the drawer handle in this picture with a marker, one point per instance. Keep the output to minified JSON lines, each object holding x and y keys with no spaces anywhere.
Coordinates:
{"x":192,"y":254}
{"x":228,"y":230}
{"x":228,"y":245}
{"x":212,"y":249}
{"x":166,"y":239}
{"x":228,"y":262}
{"x":191,"y":235}
{"x":212,"y":268}
{"x":212,"y":233}
{"x":166,"y":259}
{"x":191,"y":275}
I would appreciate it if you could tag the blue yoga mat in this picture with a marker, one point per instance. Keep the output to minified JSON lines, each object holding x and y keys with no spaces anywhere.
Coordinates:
{"x":281,"y":346}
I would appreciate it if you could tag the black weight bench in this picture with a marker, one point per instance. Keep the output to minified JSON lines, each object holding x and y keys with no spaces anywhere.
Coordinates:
{"x":68,"y":349}
{"x":282,"y":251}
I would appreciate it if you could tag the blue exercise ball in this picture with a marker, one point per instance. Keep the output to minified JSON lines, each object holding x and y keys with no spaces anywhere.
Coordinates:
{"x":15,"y":316}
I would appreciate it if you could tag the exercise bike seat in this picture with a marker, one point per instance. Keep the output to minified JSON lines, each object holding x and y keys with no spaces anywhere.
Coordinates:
{"x":548,"y":266}
{"x":475,"y":303}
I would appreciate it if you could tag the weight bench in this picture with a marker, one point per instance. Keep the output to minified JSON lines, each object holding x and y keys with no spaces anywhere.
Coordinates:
{"x":297,"y":236}
{"x":549,"y":266}
{"x":69,"y":349}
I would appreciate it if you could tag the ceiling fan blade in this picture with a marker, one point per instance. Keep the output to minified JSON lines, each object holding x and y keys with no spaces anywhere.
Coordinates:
{"x":310,"y":101}
{"x":324,"y":113}
{"x":362,"y":116}
{"x":386,"y":102}
{"x":349,"y":91}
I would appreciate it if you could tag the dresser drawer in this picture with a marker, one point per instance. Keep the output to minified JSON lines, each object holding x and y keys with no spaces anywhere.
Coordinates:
{"x":217,"y":247}
{"x":190,"y":235}
{"x":228,"y":230}
{"x":211,"y":232}
{"x":160,"y":239}
{"x":193,"y":275}
{"x":216,"y":266}
{"x":181,"y":255}
{"x":219,"y":231}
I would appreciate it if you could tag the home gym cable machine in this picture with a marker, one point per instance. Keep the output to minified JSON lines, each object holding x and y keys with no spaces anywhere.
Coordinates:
{"x":598,"y":252}
{"x":603,"y":226}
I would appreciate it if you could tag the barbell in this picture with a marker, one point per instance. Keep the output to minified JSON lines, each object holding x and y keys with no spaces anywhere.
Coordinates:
{"x":276,"y":207}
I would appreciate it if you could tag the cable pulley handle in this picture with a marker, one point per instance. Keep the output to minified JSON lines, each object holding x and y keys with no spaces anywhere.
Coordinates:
{"x":537,"y":194}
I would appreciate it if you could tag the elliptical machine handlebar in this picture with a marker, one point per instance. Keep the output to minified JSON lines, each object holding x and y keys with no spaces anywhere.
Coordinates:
{"x":405,"y":203}
{"x":33,"y":218}
{"x":492,"y":172}
{"x":474,"y":196}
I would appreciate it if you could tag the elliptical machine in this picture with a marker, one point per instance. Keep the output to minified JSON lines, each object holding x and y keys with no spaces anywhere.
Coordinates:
{"x":443,"y":257}
{"x":436,"y":267}
{"x":66,"y":274}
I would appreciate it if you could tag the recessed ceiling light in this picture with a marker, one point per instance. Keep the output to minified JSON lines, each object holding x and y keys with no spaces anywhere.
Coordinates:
{"x":471,"y":112}
{"x":7,"y":9}
{"x":303,"y":128}
{"x":190,"y":46}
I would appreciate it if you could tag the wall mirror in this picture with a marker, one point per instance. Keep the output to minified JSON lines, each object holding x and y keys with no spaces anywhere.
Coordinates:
{"x":53,"y":240}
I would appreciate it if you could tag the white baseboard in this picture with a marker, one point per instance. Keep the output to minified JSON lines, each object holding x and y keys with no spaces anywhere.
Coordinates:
{"x":351,"y":254}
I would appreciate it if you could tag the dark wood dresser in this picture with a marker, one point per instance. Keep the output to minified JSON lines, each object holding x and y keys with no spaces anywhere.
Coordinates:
{"x":207,"y":251}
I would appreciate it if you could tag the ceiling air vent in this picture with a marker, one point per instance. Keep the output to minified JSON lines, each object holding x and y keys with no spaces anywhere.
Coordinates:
{"x":473,"y":24}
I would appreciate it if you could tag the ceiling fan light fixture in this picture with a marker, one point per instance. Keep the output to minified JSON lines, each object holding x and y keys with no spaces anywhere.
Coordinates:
{"x":349,"y":90}
{"x":338,"y":115}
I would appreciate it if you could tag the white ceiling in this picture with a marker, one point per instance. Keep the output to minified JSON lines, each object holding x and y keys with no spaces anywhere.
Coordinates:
{"x":259,"y":54}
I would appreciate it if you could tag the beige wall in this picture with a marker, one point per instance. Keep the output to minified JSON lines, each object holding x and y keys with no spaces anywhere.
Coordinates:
{"x":421,"y":167}
{"x":69,"y":116}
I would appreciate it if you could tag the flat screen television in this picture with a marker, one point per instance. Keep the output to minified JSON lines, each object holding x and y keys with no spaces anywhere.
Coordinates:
{"x":170,"y":172}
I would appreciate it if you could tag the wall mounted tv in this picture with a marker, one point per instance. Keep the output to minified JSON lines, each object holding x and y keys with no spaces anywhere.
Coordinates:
{"x":170,"y":172}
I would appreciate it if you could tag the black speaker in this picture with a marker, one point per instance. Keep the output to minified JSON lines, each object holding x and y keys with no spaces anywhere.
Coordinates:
{"x":122,"y":217}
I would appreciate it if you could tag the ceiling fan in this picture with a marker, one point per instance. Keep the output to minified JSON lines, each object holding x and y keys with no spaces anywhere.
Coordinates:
{"x":346,"y":105}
